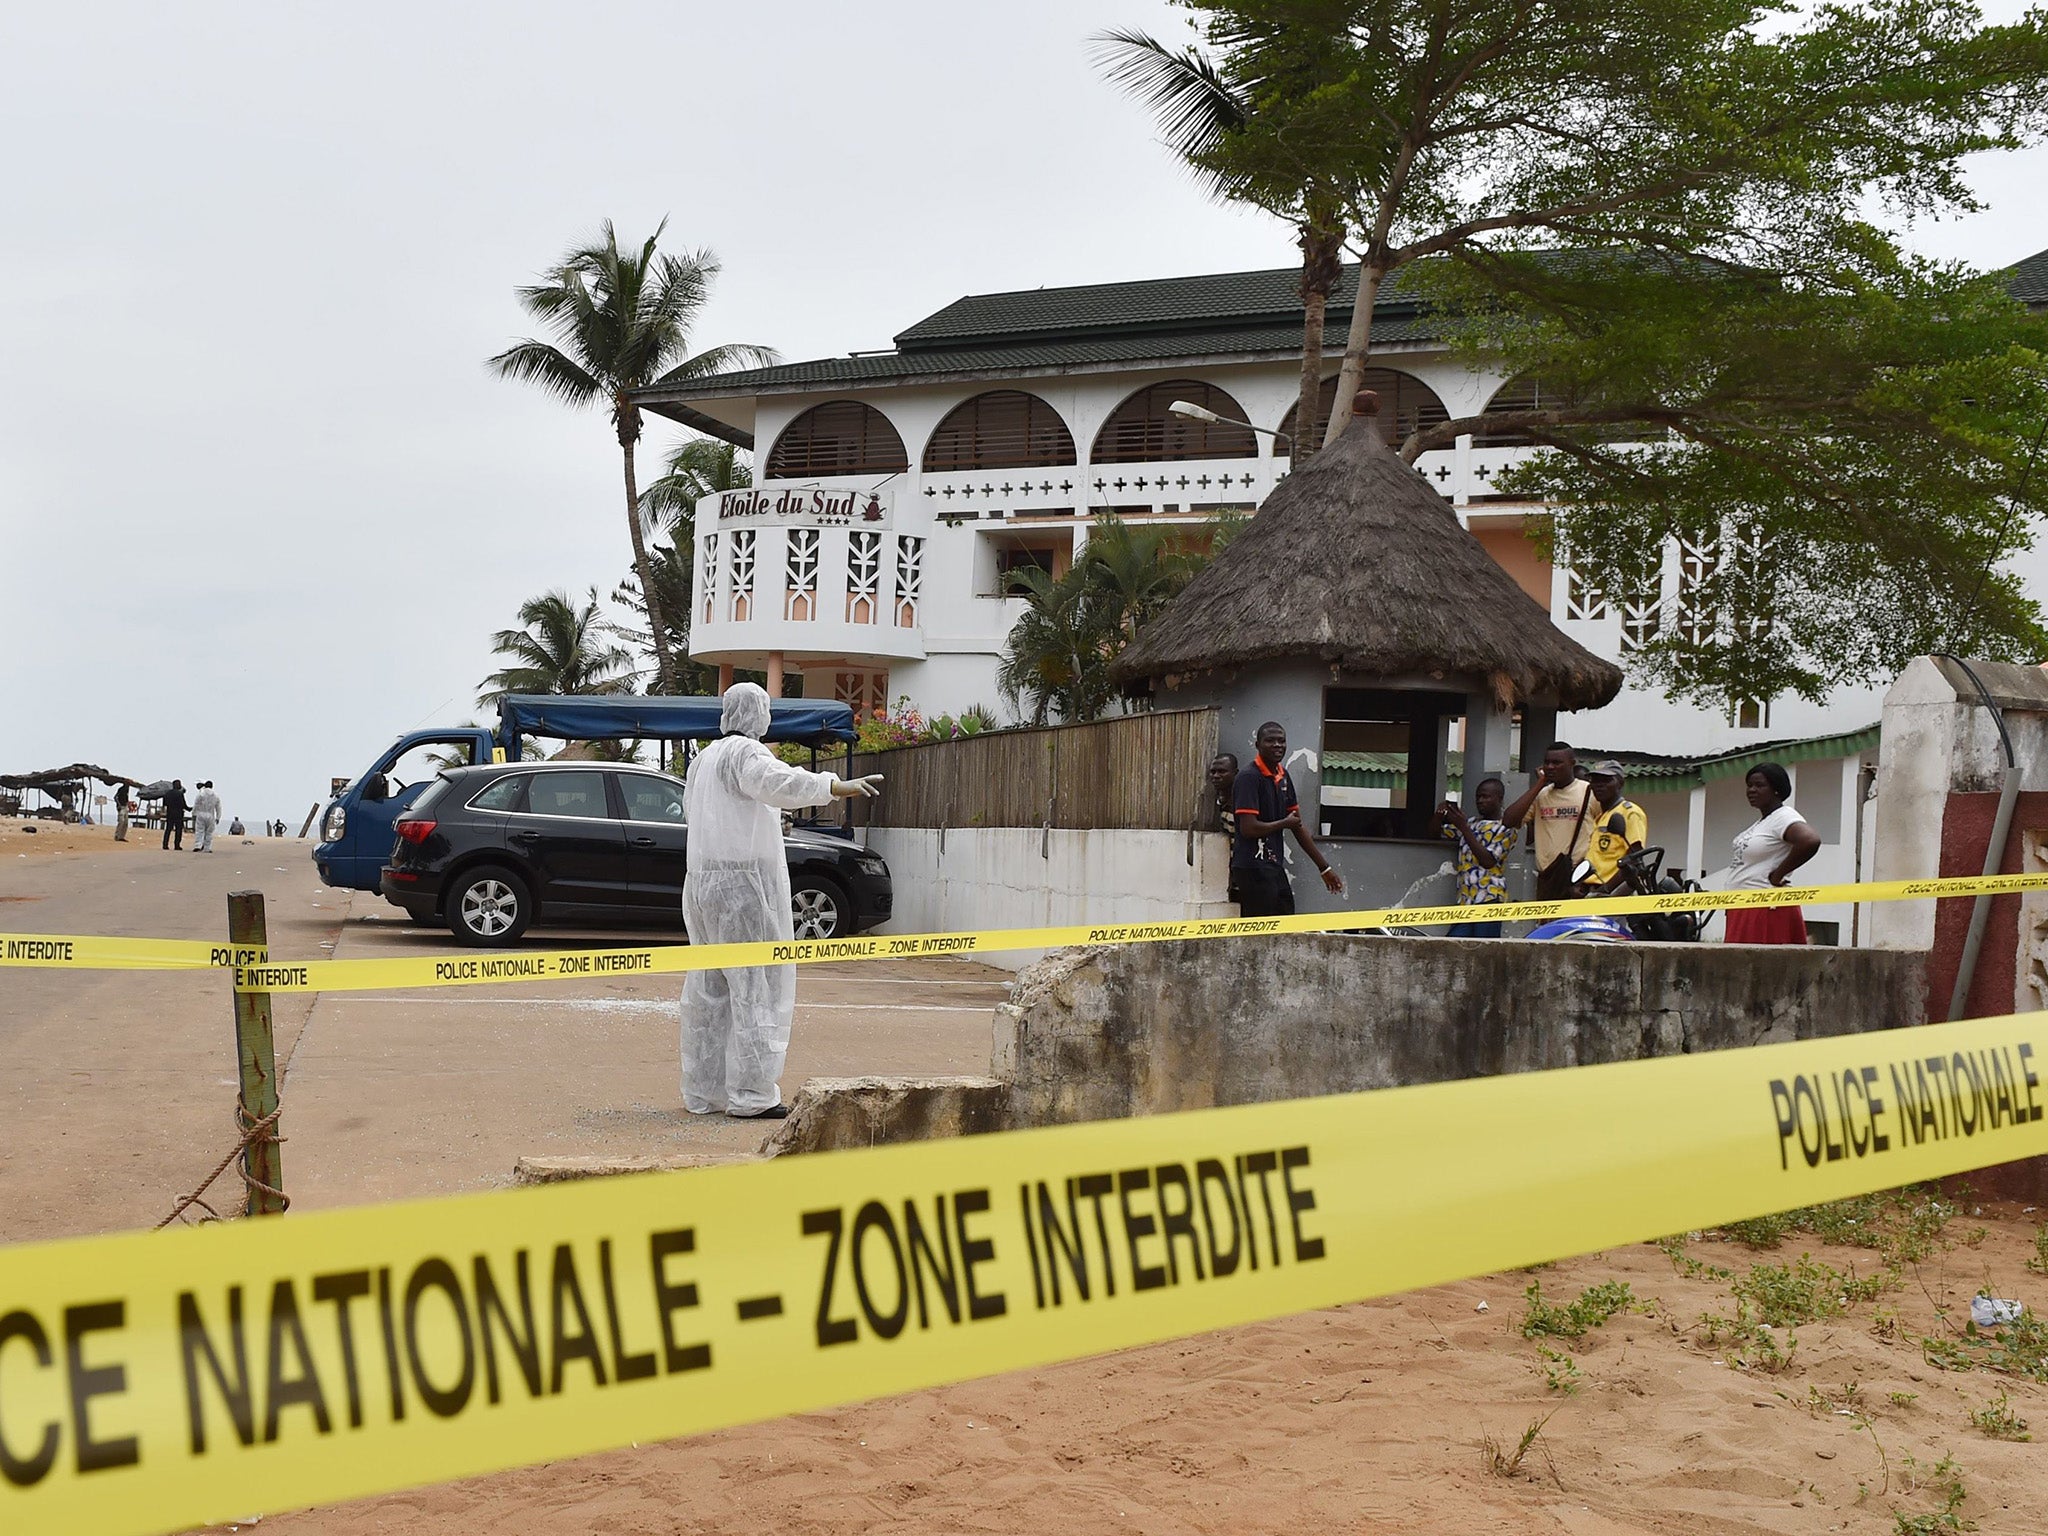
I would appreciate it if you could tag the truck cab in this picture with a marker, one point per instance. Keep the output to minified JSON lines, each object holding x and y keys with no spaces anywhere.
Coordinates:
{"x":356,"y":832}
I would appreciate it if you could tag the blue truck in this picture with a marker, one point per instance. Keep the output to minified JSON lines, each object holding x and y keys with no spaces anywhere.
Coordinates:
{"x":356,"y":828}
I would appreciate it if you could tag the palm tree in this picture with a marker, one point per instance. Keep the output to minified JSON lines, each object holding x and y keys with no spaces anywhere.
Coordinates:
{"x":1052,"y":656}
{"x":1056,"y":658}
{"x":561,"y":649}
{"x":1203,"y":115}
{"x":622,"y":322}
{"x":697,"y":467}
{"x":674,"y":582}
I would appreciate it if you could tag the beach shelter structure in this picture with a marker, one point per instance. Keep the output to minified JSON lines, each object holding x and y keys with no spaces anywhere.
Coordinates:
{"x":1356,"y":610}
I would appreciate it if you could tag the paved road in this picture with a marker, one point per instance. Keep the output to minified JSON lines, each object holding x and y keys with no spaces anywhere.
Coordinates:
{"x":116,"y":1088}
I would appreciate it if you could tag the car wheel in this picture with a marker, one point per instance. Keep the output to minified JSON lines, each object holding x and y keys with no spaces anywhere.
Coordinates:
{"x":819,"y":908}
{"x":489,"y":905}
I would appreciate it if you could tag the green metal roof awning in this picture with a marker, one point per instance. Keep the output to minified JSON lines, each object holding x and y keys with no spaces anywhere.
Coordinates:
{"x":1667,"y":773}
{"x":1379,"y":770}
{"x":1648,"y":772}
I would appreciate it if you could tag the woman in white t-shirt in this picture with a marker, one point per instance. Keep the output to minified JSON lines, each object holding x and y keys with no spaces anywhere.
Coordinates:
{"x":1766,"y":853}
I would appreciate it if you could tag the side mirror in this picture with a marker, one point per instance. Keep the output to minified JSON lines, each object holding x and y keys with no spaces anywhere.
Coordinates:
{"x":1618,"y":824}
{"x":1583,"y":873}
{"x":376,"y":787}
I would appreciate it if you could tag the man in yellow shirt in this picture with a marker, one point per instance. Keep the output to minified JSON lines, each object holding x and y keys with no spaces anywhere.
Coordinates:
{"x":1619,"y":824}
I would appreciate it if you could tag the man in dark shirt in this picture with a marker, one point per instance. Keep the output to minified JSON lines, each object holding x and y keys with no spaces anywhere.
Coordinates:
{"x":1267,"y":808}
{"x":1223,"y":792}
{"x":174,"y":814}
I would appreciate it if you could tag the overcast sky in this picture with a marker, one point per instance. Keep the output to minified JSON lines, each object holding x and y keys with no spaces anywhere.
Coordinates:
{"x":261,"y":505}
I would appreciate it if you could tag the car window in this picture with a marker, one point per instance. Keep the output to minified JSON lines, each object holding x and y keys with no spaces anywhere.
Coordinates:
{"x":577,"y":793}
{"x":652,"y":799}
{"x":429,"y":795}
{"x":502,"y":794}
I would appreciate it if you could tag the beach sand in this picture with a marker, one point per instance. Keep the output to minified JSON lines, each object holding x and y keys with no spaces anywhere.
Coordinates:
{"x":1370,"y":1419}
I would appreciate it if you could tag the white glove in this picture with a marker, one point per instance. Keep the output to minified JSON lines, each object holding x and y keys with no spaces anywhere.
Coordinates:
{"x":858,"y":789}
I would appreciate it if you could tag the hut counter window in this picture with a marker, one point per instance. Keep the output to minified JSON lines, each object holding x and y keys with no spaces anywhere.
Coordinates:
{"x":1387,"y":751}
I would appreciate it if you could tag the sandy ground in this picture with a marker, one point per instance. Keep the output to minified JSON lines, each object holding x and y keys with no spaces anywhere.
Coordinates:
{"x":1369,"y":1418}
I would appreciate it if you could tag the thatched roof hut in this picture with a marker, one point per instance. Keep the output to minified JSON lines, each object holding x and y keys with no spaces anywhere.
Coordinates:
{"x":1355,"y":562}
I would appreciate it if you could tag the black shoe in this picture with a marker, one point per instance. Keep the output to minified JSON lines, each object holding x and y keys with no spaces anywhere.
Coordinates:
{"x":772,"y":1112}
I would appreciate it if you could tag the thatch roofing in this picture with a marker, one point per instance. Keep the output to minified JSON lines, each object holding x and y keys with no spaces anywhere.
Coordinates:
{"x":56,"y":778}
{"x":1354,"y":561}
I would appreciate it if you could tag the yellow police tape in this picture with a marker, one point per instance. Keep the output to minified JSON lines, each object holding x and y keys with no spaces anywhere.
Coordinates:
{"x":149,"y":1382}
{"x":99,"y":952}
{"x":477,"y":970}
{"x":91,"y":952}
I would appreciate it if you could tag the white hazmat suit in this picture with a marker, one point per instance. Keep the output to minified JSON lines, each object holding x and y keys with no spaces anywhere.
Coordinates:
{"x":205,"y":817}
{"x":736,"y":890}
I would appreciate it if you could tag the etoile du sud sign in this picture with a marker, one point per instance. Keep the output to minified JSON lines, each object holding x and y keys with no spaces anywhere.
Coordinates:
{"x":796,"y":506}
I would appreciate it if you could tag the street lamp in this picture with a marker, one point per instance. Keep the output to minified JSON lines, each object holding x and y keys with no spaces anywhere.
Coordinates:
{"x":1202,"y":413}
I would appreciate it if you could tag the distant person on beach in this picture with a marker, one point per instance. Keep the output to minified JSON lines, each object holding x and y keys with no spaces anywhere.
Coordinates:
{"x":174,"y":814}
{"x":236,"y":829}
{"x":120,"y":813}
{"x":1267,"y":810}
{"x":205,"y":817}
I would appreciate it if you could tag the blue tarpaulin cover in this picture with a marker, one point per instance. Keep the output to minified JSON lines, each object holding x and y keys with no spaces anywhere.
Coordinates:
{"x":607,"y":717}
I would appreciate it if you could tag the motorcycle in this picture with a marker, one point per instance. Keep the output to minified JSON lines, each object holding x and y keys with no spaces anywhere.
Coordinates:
{"x":1639,"y":872}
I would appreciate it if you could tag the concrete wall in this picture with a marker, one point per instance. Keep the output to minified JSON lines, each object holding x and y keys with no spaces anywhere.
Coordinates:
{"x":1020,"y":877}
{"x":1151,"y":1028}
{"x":1937,"y":794}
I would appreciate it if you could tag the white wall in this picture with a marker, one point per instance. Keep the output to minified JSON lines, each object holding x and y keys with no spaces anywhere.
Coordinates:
{"x":1018,"y":877}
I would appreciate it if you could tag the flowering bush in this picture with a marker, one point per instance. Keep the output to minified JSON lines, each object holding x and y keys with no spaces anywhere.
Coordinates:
{"x":880,"y":729}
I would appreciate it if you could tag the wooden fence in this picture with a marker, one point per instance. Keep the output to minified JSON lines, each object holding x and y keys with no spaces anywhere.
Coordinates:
{"x":1133,"y":771}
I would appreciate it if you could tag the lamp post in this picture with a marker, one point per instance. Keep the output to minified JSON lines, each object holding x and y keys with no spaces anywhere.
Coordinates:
{"x":1202,"y":413}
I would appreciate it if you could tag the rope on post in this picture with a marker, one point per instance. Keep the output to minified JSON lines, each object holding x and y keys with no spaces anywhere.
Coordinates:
{"x":254,"y":1129}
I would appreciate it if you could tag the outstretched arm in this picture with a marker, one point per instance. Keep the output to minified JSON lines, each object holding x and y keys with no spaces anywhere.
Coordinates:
{"x":763,"y":776}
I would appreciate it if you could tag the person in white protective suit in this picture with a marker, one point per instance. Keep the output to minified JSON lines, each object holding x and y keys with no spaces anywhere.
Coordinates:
{"x":205,"y":817}
{"x":736,"y":890}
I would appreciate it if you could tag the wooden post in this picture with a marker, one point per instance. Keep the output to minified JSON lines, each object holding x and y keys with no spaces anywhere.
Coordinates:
{"x":256,"y":1065}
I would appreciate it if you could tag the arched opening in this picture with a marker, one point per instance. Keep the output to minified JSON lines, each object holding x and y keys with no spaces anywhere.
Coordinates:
{"x":1529,"y":392}
{"x":840,"y":437}
{"x":1143,"y":431}
{"x":1406,"y":405}
{"x":1003,"y":429}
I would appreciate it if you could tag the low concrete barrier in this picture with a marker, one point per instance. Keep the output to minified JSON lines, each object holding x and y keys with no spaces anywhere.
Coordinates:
{"x":1101,"y":1034}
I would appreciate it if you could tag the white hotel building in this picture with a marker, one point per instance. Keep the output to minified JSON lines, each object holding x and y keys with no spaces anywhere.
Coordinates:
{"x":896,"y":491}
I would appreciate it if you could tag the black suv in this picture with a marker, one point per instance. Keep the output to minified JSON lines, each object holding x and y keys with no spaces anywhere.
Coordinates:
{"x":493,"y":848}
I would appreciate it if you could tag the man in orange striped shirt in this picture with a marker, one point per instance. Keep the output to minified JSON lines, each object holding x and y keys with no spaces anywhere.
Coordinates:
{"x":1268,"y":808}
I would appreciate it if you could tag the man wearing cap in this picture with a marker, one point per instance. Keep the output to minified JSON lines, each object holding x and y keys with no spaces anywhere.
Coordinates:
{"x":1619,"y":824}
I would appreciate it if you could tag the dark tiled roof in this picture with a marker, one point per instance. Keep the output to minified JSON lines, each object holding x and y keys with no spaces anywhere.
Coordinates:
{"x":2027,"y":280}
{"x":1166,"y":319}
{"x":1073,"y":351}
{"x":1204,"y":302}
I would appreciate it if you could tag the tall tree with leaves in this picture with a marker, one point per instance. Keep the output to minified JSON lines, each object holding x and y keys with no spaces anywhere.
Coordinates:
{"x":1458,"y":127}
{"x":621,"y":321}
{"x":1241,"y":154}
{"x":1662,"y":211}
{"x":560,"y":647}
